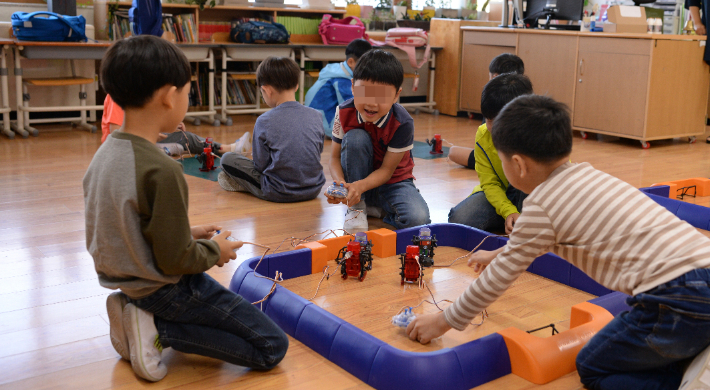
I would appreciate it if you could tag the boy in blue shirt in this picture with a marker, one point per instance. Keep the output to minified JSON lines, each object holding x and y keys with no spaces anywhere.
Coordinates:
{"x":287,"y":144}
{"x":334,"y":85}
{"x":371,"y":153}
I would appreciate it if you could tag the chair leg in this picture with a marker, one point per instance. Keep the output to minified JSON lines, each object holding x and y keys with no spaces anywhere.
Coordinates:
{"x":82,"y":102}
{"x":25,"y":113}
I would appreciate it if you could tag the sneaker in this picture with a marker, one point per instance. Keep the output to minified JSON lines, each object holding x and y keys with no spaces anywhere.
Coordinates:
{"x":143,"y":343}
{"x":114,"y":306}
{"x":697,"y":375}
{"x":243,"y":144}
{"x":375,"y":212}
{"x":229,"y":184}
{"x":355,"y":221}
{"x":173,"y":149}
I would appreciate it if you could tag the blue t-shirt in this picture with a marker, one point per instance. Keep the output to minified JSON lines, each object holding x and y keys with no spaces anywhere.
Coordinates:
{"x":287,"y":147}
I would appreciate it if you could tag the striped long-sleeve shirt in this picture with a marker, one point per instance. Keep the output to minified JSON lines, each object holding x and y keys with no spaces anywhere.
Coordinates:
{"x":605,"y":227}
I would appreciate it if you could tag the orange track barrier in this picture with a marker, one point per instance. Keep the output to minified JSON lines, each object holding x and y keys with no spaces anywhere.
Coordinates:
{"x":541,"y":360}
{"x":384,"y":242}
{"x":702,"y":186}
{"x":319,"y":255}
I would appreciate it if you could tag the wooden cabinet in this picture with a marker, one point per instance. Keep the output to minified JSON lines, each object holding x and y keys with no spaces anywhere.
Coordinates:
{"x":612,"y":85}
{"x":550,"y":63}
{"x":478,"y":51}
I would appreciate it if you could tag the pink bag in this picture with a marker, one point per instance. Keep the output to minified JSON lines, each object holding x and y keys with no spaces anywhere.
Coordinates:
{"x":408,"y":39}
{"x":340,"y":31}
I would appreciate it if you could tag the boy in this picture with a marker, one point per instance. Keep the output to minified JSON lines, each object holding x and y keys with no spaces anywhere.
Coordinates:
{"x":504,"y":63}
{"x":138,"y":232}
{"x":611,"y":231}
{"x":494,"y":205}
{"x":334,"y":85}
{"x":287,"y":144}
{"x":372,"y":140}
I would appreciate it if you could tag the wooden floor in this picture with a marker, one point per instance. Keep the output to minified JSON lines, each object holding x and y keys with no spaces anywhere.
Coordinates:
{"x":53,"y":324}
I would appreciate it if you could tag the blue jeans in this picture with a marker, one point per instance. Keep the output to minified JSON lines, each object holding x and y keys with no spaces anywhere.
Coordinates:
{"x":645,"y":348}
{"x":476,"y":211}
{"x":198,"y":315}
{"x":401,"y":201}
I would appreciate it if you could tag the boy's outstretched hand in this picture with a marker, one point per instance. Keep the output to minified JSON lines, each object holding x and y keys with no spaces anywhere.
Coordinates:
{"x":205,"y":231}
{"x":227,"y":248}
{"x":427,"y":327}
{"x":479,"y":260}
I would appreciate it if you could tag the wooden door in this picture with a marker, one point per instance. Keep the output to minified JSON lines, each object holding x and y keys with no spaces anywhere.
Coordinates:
{"x":612,"y":86}
{"x":550,"y":63}
{"x":474,"y":72}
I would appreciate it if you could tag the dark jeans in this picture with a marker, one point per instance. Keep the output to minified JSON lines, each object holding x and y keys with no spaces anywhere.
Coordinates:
{"x":193,"y":143}
{"x":646,"y":348}
{"x":198,"y":315}
{"x":476,"y":211}
{"x":402,"y":202}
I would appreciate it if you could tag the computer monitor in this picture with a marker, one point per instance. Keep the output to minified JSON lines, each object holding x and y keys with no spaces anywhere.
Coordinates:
{"x":553,"y":9}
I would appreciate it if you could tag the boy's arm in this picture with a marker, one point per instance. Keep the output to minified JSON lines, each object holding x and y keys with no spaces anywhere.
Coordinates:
{"x":491,"y":184}
{"x":260,"y":151}
{"x":168,"y":228}
{"x":336,"y":169}
{"x":533,"y":236}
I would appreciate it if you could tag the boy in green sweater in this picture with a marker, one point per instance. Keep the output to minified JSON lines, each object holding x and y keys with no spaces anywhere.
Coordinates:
{"x":494,"y":205}
{"x":138,"y":231}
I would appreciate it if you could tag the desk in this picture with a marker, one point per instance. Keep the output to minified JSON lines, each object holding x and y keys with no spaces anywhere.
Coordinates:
{"x":202,"y":52}
{"x":337,"y":53}
{"x":52,"y":50}
{"x":6,"y":44}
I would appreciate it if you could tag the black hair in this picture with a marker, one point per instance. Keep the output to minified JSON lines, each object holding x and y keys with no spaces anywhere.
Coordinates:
{"x":281,"y":73}
{"x":134,"y":68}
{"x":534,"y":126}
{"x":357,"y":48}
{"x":379,"y":66}
{"x":501,"y":90}
{"x":506,"y":63}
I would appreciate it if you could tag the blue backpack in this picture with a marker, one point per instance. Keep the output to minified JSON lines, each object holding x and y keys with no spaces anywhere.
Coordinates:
{"x":147,"y":17}
{"x":260,"y":32}
{"x":55,"y":28}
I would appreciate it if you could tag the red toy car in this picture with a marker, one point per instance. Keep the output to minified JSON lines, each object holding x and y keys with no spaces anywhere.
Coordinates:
{"x":355,"y":259}
{"x":411,"y":271}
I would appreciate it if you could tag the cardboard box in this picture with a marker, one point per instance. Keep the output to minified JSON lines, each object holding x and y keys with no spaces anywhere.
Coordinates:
{"x":628,"y":19}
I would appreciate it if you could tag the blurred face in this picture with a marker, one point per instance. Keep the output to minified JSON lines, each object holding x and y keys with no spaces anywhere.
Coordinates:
{"x":374,"y":100}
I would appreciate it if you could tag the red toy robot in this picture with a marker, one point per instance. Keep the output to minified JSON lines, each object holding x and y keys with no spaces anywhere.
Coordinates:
{"x":435,"y":144}
{"x":356,"y":257}
{"x":411,"y":271}
{"x":206,"y":157}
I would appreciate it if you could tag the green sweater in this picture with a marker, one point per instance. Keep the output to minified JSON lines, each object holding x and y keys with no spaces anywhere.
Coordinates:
{"x":490,"y":174}
{"x":137,"y":228}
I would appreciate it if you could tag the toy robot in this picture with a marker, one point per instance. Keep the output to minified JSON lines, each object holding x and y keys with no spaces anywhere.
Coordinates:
{"x":426,"y":243}
{"x":411,"y":271}
{"x":435,"y":144}
{"x":206,"y":157}
{"x":356,"y":257}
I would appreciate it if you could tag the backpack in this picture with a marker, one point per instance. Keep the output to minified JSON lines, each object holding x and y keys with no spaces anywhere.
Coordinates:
{"x":407,"y":39}
{"x":260,"y":32}
{"x":146,"y":17}
{"x":340,"y":31}
{"x":55,"y":28}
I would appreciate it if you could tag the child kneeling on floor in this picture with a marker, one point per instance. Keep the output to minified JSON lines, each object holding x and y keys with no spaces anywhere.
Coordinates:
{"x":612,"y":232}
{"x":138,"y":232}
{"x":287,"y":143}
{"x":371,"y":153}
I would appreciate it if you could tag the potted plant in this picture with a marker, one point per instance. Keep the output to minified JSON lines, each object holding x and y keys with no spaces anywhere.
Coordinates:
{"x":415,"y":19}
{"x":483,"y":13}
{"x":445,"y":10}
{"x":352,"y":8}
{"x":383,"y":8}
{"x":400,"y":10}
{"x":366,"y":11}
{"x":201,"y":3}
{"x":470,"y":11}
{"x":429,"y":9}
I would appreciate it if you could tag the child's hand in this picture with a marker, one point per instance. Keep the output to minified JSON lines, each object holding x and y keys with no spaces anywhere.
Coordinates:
{"x":181,"y":127}
{"x":479,"y":260}
{"x":205,"y":231}
{"x":355,"y":190}
{"x":332,"y":199}
{"x":226,"y":248}
{"x":426,"y":327}
{"x":510,"y":222}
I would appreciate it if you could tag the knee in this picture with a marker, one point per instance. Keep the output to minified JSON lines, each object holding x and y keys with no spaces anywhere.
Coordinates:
{"x":415,"y":216}
{"x":227,"y":159}
{"x":587,"y":375}
{"x":356,"y":138}
{"x":277,"y":351}
{"x":456,"y":216}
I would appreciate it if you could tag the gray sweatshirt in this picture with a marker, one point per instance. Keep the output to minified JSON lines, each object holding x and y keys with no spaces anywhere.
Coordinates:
{"x":137,"y":228}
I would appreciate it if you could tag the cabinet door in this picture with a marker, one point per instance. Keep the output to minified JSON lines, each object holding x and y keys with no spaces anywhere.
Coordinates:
{"x":551,"y":75}
{"x":611,"y":93}
{"x":474,"y":72}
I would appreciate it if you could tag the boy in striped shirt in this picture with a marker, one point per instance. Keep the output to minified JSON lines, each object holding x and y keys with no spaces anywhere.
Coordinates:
{"x":616,"y":235}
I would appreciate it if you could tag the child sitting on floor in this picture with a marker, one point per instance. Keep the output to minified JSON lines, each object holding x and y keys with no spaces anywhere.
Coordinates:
{"x":504,"y":63}
{"x":138,"y":232}
{"x":334,"y":85}
{"x":288,"y":142}
{"x":612,"y":232}
{"x":178,"y":142}
{"x":371,"y":153}
{"x":494,"y":205}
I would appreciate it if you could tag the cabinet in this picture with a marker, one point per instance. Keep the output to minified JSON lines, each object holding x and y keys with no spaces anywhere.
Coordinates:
{"x":478,"y":51}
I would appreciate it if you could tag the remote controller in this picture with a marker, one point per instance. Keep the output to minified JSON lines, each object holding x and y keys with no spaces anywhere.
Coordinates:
{"x":337,"y":191}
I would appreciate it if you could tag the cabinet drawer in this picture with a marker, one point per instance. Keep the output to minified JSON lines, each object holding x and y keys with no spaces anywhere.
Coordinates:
{"x":489,"y":38}
{"x":615,"y":45}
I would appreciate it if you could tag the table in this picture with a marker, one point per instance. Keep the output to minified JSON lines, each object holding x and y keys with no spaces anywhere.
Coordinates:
{"x":5,"y":45}
{"x":203,"y":52}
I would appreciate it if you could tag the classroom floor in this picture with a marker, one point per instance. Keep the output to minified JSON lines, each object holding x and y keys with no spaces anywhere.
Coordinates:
{"x":53,"y":323}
